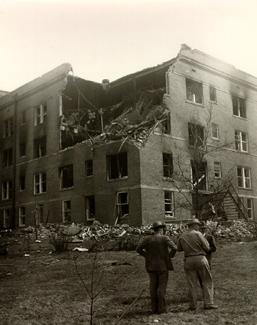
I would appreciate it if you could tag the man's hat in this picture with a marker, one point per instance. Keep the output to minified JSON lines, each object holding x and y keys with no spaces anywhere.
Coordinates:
{"x":158,"y":224}
{"x":194,"y":221}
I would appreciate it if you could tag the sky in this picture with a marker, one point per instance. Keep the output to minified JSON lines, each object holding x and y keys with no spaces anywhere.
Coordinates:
{"x":108,"y":39}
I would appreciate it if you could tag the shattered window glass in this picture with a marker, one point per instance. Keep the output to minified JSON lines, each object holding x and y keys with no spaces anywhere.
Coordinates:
{"x":194,"y":91}
{"x":122,"y":204}
{"x":195,"y":134}
{"x":199,"y":174}
{"x":66,"y":175}
{"x":117,"y":166}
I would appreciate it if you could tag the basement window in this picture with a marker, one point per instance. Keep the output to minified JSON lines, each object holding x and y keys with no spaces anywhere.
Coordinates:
{"x":167,"y":165}
{"x":40,"y":147}
{"x":39,"y":183}
{"x":22,"y":216}
{"x":89,"y":167}
{"x":194,"y":91}
{"x":66,"y":211}
{"x":90,"y":207}
{"x":241,"y":141}
{"x":6,"y":190}
{"x":249,"y":206}
{"x":40,"y":114}
{"x":195,"y":134}
{"x":244,"y":177}
{"x":7,"y":157}
{"x":8,"y":128}
{"x":122,"y":204}
{"x":66,"y":176}
{"x":199,"y":174}
{"x":117,"y":166}
{"x":239,"y":107}
{"x":169,"y":204}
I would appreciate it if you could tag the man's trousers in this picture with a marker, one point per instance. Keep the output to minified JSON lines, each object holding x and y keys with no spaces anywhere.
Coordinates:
{"x":197,"y":270}
{"x":158,"y":285}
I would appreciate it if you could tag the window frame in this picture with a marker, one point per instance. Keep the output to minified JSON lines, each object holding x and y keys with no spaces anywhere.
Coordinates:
{"x":40,"y":183}
{"x":191,"y":95}
{"x":6,"y":190}
{"x":120,"y":205}
{"x":212,"y":90}
{"x":8,"y":128}
{"x":169,"y":214}
{"x":7,"y":157}
{"x":194,"y":133}
{"x":40,"y":114}
{"x":122,"y":171}
{"x":219,"y":170}
{"x":6,"y":217}
{"x":239,"y":106}
{"x":61,"y":171}
{"x":239,"y":142}
{"x":244,"y":179}
{"x":89,"y":167}
{"x":22,"y":217}
{"x":250,"y":210}
{"x":215,"y":127}
{"x":40,"y":147}
{"x":66,"y":211}
{"x":89,"y":200}
{"x":167,"y":163}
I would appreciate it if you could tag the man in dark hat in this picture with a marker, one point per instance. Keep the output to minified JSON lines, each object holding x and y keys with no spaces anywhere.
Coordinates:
{"x":196,"y":266}
{"x":157,"y":250}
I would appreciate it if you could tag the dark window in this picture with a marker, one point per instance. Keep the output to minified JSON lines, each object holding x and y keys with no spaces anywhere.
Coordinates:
{"x":199,"y":174}
{"x":90,"y":207}
{"x":66,"y":211}
{"x":22,"y":216}
{"x":165,"y":125}
{"x":6,"y":190}
{"x":7,"y":157}
{"x":167,"y":164}
{"x":122,"y":204}
{"x":22,"y":149}
{"x":194,"y":91}
{"x":213,"y":97}
{"x":8,"y":128}
{"x":40,"y":147}
{"x":66,"y":175}
{"x":195,"y":134}
{"x":89,"y":167}
{"x":239,"y":108}
{"x":22,"y":182}
{"x":6,"y":217}
{"x":117,"y":166}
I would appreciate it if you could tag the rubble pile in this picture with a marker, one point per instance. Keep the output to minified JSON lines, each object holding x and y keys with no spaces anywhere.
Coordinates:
{"x":237,"y":230}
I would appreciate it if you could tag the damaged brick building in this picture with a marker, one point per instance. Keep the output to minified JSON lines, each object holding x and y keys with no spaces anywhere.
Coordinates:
{"x":162,"y":143}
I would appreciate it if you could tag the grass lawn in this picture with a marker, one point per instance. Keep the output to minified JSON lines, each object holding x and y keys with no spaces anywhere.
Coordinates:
{"x":46,"y":289}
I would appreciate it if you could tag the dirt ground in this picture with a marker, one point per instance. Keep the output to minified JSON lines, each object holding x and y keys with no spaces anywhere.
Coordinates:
{"x":47,"y":289}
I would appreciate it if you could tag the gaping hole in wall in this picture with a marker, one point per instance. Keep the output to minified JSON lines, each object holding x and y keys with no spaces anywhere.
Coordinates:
{"x":128,"y":109}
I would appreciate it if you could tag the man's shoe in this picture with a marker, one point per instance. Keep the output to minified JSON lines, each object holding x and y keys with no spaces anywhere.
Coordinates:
{"x":211,"y":307}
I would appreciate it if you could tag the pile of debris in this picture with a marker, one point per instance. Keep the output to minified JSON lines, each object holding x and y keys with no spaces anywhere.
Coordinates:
{"x":236,"y":230}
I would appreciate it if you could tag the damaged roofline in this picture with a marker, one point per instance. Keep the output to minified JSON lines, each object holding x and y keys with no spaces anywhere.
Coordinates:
{"x":58,"y":73}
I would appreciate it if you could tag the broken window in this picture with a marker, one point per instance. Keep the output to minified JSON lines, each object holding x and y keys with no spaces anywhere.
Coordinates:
{"x":22,"y":216}
{"x":6,"y":190}
{"x":90,"y":207}
{"x":66,"y":211}
{"x":8,"y":128}
{"x":22,"y":149}
{"x":22,"y":182}
{"x":7,"y":157}
{"x":89,"y":167}
{"x":122,"y":204}
{"x":40,"y":147}
{"x":66,"y":176}
{"x":217,"y":169}
{"x":213,"y":96}
{"x":195,"y":134}
{"x":194,"y":91}
{"x":117,"y":166}
{"x":167,"y":164}
{"x":199,"y":174}
{"x":215,"y":131}
{"x":239,"y":107}
{"x":169,"y":204}
{"x":249,"y":206}
{"x":40,"y":113}
{"x":6,"y":217}
{"x":39,"y":183}
{"x":244,"y":177}
{"x":241,"y":141}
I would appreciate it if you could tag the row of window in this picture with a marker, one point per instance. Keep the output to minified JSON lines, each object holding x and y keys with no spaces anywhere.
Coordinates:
{"x":40,"y":114}
{"x":196,"y":134}
{"x":194,"y":94}
{"x":122,"y":208}
{"x":117,"y":169}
